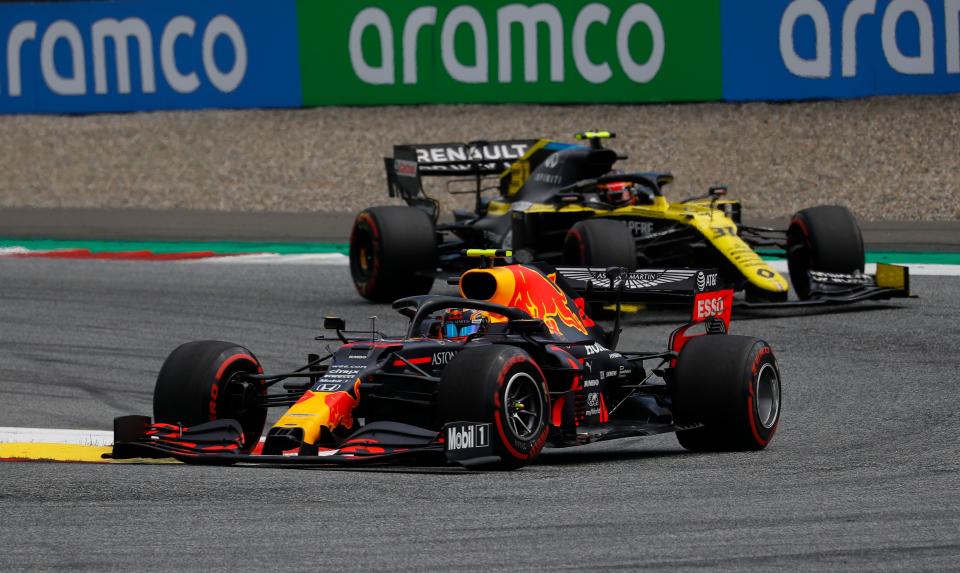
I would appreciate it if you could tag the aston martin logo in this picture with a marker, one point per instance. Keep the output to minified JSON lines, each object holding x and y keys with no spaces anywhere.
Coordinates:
{"x":638,"y":279}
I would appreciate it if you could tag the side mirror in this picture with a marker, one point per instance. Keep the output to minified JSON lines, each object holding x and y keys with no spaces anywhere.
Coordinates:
{"x":334,"y":323}
{"x":717,"y":191}
{"x":527,"y":326}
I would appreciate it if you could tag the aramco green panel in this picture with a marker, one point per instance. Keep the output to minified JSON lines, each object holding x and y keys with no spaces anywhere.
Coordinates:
{"x":412,"y":51}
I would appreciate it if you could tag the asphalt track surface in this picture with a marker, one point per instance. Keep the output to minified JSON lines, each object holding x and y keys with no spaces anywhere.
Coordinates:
{"x":864,"y":473}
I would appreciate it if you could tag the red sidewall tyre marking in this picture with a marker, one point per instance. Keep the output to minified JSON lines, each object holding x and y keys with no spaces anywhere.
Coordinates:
{"x":367,"y":221}
{"x":497,"y":403}
{"x":752,"y":414}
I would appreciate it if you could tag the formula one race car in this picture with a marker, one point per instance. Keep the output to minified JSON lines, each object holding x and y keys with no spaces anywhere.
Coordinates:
{"x":565,"y":204}
{"x":484,"y":381}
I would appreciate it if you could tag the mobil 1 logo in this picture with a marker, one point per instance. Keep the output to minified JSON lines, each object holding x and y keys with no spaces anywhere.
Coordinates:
{"x":464,"y":440}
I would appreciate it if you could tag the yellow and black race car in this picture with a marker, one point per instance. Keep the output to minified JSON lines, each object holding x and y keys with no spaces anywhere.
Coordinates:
{"x":566,"y":204}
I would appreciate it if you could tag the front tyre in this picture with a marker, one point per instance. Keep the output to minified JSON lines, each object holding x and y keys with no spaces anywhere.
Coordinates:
{"x":730,"y":385}
{"x":198,"y":384}
{"x":503,"y":386}
{"x":600,"y":243}
{"x":825,"y":238}
{"x":393,"y":250}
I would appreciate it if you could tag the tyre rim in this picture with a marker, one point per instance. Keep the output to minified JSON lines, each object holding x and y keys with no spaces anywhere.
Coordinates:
{"x":364,"y":263}
{"x":523,"y":403}
{"x":768,"y":396}
{"x":363,"y":258}
{"x":247,"y":415}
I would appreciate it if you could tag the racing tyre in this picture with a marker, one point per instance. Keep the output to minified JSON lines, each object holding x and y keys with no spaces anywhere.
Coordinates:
{"x":502,"y":386}
{"x":825,"y":238}
{"x":600,"y":243}
{"x":196,"y":385}
{"x":731,"y":385}
{"x":392,"y":250}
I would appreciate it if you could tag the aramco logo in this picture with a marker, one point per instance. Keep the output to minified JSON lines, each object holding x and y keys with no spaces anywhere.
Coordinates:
{"x":532,"y":20}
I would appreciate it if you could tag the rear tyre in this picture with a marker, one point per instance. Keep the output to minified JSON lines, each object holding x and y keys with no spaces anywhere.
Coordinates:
{"x":825,"y":238}
{"x":503,"y":386}
{"x":196,"y":385}
{"x":392,"y":251}
{"x":600,"y":243}
{"x":731,"y":385}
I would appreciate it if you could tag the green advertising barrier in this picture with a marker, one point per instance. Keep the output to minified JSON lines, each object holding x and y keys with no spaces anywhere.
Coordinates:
{"x":491,"y":51}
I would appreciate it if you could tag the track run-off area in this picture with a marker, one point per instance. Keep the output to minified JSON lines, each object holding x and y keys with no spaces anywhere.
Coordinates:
{"x":864,"y":471}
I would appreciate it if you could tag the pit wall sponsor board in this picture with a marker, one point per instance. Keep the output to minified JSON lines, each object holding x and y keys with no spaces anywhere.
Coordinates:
{"x":798,"y":49}
{"x":497,"y":51}
{"x":80,"y":57}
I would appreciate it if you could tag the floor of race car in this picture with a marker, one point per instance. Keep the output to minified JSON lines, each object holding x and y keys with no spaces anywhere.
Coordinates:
{"x":863,"y":473}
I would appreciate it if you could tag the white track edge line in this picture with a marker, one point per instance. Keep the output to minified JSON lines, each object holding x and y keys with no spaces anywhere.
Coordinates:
{"x":55,"y":436}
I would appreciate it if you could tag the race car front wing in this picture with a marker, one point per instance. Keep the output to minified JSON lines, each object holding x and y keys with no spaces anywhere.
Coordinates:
{"x":830,"y":289}
{"x":220,"y":442}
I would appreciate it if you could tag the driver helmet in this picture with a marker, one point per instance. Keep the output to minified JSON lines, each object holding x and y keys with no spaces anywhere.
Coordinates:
{"x":457,"y":322}
{"x":624,"y":193}
{"x":618,"y":193}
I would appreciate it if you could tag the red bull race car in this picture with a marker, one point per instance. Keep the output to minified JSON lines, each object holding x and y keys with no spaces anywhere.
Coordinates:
{"x":485,"y":381}
{"x":568,"y":205}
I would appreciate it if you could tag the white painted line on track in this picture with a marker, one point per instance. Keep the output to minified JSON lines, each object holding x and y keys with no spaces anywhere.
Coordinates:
{"x":921,"y":270}
{"x":318,"y":259}
{"x":50,"y":436}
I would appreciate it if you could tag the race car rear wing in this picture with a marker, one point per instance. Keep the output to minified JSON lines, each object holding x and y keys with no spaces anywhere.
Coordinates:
{"x":661,"y":285}
{"x":411,"y":162}
{"x":696,"y":287}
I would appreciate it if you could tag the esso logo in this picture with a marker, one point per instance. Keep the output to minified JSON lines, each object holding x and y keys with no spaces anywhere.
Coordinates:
{"x":708,"y":307}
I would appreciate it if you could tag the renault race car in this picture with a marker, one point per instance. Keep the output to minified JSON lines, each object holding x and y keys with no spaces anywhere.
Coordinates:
{"x":565,"y":204}
{"x":484,"y":381}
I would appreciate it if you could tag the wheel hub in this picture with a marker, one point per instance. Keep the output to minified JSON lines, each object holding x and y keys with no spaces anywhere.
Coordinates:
{"x":523,"y":406}
{"x":767,"y":392}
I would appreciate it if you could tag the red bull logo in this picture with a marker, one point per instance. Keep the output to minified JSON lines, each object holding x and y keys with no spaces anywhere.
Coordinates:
{"x":316,"y":410}
{"x":340,"y":407}
{"x":529,"y":290}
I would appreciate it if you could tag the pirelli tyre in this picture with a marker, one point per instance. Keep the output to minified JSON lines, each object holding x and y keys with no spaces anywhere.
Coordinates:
{"x":393,"y":250}
{"x":197,"y":384}
{"x":730,"y":386}
{"x":600,"y":243}
{"x":502,"y":386}
{"x":825,"y":238}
